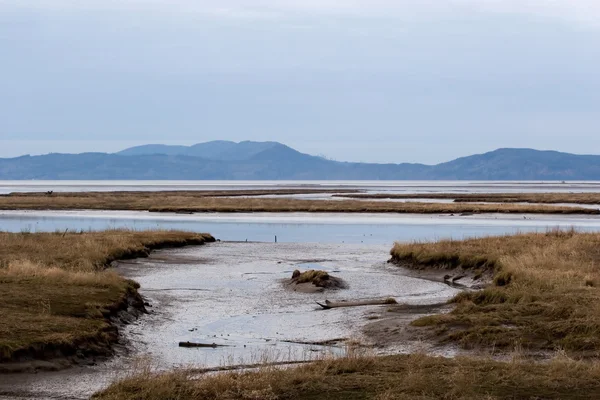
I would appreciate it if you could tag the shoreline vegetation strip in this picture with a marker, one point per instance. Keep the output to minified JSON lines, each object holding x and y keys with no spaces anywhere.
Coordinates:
{"x":544,"y":295}
{"x":539,"y":198}
{"x":202,"y":202}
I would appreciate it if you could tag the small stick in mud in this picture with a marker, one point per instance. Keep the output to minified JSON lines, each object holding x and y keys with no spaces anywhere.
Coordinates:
{"x":329,"y":342}
{"x":192,"y":345}
{"x":328,"y":304}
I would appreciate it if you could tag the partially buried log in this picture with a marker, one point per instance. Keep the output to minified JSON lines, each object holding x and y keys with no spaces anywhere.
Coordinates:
{"x":191,"y":344}
{"x":329,"y":304}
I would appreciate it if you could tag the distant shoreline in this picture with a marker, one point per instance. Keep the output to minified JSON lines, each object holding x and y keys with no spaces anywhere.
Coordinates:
{"x":187,"y":202}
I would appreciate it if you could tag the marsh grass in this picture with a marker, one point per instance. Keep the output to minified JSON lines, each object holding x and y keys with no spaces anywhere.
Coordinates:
{"x":56,"y":293}
{"x":540,"y":198}
{"x":366,"y":377}
{"x":316,"y":277}
{"x":545,"y":292}
{"x":190,"y":202}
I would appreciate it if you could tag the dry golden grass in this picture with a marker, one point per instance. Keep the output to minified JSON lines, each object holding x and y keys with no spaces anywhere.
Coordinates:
{"x":189,"y":202}
{"x":316,"y":277}
{"x":88,"y":251}
{"x":134,"y":200}
{"x":382,"y":378}
{"x":542,"y":198}
{"x":56,"y":294}
{"x":545,"y":292}
{"x":192,"y":193}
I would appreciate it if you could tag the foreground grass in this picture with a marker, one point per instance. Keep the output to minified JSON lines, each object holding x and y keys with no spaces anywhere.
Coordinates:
{"x":545,"y":292}
{"x":540,"y":198}
{"x":380,"y":378}
{"x":189,"y":202}
{"x":56,"y":293}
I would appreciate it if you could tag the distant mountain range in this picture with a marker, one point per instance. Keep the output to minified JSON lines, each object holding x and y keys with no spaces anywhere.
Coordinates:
{"x":247,"y":160}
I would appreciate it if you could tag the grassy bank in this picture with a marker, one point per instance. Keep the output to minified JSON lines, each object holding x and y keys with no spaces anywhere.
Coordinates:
{"x":379,"y":378}
{"x":545,"y":292}
{"x":540,"y":198}
{"x":189,"y":202}
{"x":56,"y":295}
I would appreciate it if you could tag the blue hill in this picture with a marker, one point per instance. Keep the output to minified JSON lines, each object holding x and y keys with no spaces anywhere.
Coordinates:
{"x":271,"y":160}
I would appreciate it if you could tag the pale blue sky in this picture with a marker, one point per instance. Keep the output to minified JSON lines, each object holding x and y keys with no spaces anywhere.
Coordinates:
{"x":361,"y":80}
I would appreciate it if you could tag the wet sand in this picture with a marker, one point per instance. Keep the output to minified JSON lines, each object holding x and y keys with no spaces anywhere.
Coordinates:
{"x":231,"y":294}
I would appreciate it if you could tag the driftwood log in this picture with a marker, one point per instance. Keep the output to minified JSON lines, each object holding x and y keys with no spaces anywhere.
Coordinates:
{"x":192,"y":344}
{"x":329,"y":304}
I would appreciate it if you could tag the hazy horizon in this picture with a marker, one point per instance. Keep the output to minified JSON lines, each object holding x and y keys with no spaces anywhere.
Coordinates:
{"x":373,"y":81}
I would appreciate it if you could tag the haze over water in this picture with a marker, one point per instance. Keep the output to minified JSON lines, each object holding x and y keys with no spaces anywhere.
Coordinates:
{"x":370,"y":186}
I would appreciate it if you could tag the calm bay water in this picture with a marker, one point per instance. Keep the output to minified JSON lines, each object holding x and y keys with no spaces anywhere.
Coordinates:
{"x":297,"y":227}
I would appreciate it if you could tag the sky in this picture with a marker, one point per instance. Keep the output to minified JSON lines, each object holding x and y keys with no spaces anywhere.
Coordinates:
{"x":358,"y":80}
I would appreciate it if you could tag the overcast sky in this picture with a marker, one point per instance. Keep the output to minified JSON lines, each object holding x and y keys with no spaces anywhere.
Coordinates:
{"x":360,"y":80}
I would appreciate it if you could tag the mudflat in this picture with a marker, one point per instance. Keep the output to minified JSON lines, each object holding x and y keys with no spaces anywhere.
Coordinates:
{"x":541,"y":295}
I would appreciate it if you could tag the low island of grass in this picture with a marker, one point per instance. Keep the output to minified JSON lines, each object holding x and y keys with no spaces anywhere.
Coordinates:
{"x":313,"y":281}
{"x":58,"y":300}
{"x":233,"y":202}
{"x":592,"y":198}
